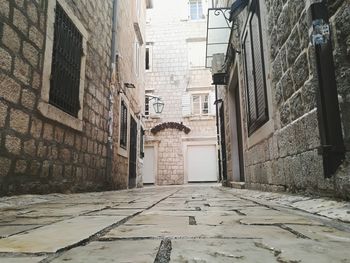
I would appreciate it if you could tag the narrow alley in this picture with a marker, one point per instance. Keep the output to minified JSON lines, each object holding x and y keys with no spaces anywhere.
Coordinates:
{"x":194,"y":223}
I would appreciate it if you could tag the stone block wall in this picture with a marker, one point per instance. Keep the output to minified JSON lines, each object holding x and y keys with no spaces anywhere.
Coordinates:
{"x":287,"y":157}
{"x":38,"y":155}
{"x":126,"y":73}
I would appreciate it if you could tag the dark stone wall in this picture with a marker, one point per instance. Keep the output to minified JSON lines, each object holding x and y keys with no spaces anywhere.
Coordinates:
{"x":38,"y":155}
{"x":288,"y":159}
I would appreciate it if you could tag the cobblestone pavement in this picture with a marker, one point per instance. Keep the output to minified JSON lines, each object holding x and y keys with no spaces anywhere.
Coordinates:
{"x":201,"y":223}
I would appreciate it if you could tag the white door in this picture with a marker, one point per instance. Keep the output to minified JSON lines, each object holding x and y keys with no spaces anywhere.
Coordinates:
{"x":201,"y":163}
{"x":148,"y":166}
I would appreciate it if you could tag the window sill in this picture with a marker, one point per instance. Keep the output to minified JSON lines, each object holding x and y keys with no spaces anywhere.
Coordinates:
{"x":53,"y":113}
{"x":152,"y":117}
{"x":122,"y":152}
{"x":261,"y":134}
{"x":201,"y":118}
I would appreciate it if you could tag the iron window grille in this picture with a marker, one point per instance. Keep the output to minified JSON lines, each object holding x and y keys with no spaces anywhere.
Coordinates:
{"x":147,"y":106}
{"x":123,"y":126}
{"x":66,"y":62}
{"x":256,"y":98}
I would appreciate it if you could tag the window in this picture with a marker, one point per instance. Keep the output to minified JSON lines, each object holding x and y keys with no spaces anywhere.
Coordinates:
{"x":196,"y":54}
{"x":63,"y":76}
{"x":196,"y":9}
{"x":138,"y":8}
{"x":257,"y":109}
{"x":123,"y":126}
{"x":137,"y":58}
{"x":200,"y":104}
{"x":147,"y":106}
{"x":148,"y":58}
{"x":66,"y":59}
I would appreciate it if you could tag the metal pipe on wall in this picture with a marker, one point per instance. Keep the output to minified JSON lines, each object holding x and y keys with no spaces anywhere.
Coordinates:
{"x":112,"y":91}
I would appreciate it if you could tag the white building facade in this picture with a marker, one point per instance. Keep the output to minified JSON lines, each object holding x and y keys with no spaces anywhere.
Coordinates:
{"x":180,"y":143}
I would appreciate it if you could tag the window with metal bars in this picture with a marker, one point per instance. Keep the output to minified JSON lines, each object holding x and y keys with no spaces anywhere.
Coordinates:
{"x":147,"y":106}
{"x":123,"y":126}
{"x":66,"y":62}
{"x":256,"y":98}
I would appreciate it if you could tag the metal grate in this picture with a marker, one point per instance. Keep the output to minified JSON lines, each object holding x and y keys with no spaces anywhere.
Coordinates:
{"x":66,"y":61}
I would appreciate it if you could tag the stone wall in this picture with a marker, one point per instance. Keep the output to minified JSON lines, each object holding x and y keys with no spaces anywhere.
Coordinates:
{"x":287,"y":156}
{"x":38,"y":155}
{"x":126,"y":38}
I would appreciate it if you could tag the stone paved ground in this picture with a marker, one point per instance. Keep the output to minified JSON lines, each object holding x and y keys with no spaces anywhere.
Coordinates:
{"x":202,"y":223}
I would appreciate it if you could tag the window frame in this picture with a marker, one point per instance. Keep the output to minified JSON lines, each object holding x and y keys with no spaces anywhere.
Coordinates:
{"x":150,"y":59}
{"x":198,"y":15}
{"x":260,"y":120}
{"x":123,"y":125}
{"x":142,"y":142}
{"x":147,"y":108}
{"x":137,"y":49}
{"x":191,"y":43}
{"x":45,"y":108}
{"x":201,"y":108}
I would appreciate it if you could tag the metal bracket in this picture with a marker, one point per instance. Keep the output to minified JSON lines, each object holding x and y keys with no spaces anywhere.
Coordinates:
{"x":320,"y":32}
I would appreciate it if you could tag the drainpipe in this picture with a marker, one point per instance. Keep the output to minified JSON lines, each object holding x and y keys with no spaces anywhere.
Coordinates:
{"x":111,"y":93}
{"x":218,"y":133}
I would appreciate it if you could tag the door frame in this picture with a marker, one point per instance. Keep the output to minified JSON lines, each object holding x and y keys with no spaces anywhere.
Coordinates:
{"x":155,"y":144}
{"x":208,"y":141}
{"x":155,"y":162}
{"x":236,"y":131}
{"x":133,"y":119}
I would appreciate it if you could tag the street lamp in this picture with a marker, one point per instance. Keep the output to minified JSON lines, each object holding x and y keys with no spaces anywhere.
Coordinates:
{"x":158,"y":104}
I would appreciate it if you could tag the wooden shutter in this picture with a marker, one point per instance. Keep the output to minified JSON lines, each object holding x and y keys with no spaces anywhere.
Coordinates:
{"x":212,"y":108}
{"x":255,"y":73}
{"x":186,"y":105}
{"x":258,"y":66}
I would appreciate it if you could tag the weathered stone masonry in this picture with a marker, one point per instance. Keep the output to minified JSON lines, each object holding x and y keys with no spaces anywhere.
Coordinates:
{"x":288,"y":157}
{"x":38,"y":155}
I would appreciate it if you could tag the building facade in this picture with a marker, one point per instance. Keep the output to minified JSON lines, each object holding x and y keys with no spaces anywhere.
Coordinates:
{"x":180,"y":143}
{"x":129,"y":93}
{"x":282,"y":131}
{"x":56,"y":97}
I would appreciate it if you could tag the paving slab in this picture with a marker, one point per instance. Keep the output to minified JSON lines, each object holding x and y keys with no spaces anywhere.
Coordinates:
{"x":159,"y":220}
{"x":8,"y":230}
{"x":23,"y":220}
{"x":135,"y":251}
{"x":219,"y":250}
{"x":21,"y":259}
{"x":273,"y":220}
{"x":56,"y":236}
{"x":322,"y":233}
{"x":199,"y":231}
{"x":304,"y":250}
{"x":115,"y":212}
{"x":47,"y":210}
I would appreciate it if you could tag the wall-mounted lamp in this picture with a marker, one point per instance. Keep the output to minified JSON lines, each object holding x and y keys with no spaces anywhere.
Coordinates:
{"x":158,"y":105}
{"x":218,"y":101}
